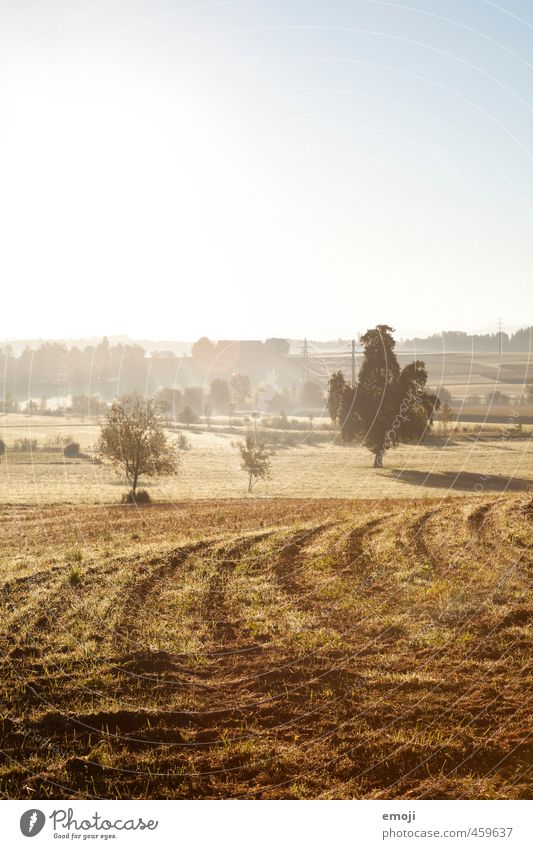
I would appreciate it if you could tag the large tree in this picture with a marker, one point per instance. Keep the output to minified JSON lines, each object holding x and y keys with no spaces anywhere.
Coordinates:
{"x":388,"y":405}
{"x":133,"y":439}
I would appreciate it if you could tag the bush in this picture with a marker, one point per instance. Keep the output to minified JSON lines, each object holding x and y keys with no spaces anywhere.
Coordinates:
{"x":72,"y":449}
{"x":183,"y":443}
{"x":188,"y":416}
{"x":58,"y":441}
{"x":2,"y":448}
{"x":140,"y":497}
{"x":25,"y":444}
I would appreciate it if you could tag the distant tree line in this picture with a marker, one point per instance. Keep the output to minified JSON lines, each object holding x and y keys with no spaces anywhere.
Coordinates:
{"x":456,"y":340}
{"x":218,"y":378}
{"x":107,"y":371}
{"x":236,"y":395}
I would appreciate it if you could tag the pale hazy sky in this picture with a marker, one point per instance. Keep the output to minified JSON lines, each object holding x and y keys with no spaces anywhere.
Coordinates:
{"x":264,"y":167}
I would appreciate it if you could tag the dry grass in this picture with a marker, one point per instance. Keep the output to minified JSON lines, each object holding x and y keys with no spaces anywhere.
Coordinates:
{"x":461,"y":464}
{"x":267,"y":649}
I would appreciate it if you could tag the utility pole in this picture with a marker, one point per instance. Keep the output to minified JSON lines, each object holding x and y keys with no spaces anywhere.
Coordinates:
{"x":500,"y":340}
{"x":353,"y":362}
{"x":306,"y":360}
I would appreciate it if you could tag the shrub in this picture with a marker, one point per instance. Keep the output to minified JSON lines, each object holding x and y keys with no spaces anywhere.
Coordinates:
{"x":72,"y":449}
{"x":58,"y":441}
{"x":139,"y":497}
{"x":25,"y":444}
{"x":2,"y":447}
{"x":188,"y":416}
{"x":183,"y":443}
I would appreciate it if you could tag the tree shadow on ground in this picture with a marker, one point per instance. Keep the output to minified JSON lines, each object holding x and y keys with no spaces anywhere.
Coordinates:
{"x":464,"y":481}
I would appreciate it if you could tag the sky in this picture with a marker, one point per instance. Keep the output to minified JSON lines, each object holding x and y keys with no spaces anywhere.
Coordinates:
{"x":255,"y":168}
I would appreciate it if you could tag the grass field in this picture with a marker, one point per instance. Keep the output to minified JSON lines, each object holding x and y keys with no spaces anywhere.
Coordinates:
{"x":267,"y":649}
{"x":460,"y":464}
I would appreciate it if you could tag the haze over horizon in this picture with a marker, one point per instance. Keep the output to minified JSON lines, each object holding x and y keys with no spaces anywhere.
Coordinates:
{"x":294,"y":339}
{"x":247,"y":169}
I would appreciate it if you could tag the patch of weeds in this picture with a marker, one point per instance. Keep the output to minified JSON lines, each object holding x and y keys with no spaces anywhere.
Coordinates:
{"x":325,"y":563}
{"x":418,"y":575}
{"x":319,"y":638}
{"x":298,"y":791}
{"x":432,"y":638}
{"x":89,"y":648}
{"x":101,"y":753}
{"x":332,"y":591}
{"x":75,"y":555}
{"x":74,"y":576}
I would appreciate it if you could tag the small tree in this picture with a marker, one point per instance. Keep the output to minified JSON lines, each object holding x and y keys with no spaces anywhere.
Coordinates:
{"x":193,"y":397}
{"x":183,"y":443}
{"x":168,"y":401}
{"x":79,"y":405}
{"x":188,"y":416}
{"x":444,"y":395}
{"x":2,"y":448}
{"x":497,"y":397}
{"x":240,"y":389}
{"x":133,"y":439}
{"x":8,"y":404}
{"x":255,"y":461}
{"x":312,"y":395}
{"x":220,"y":395}
{"x":162,"y":405}
{"x":208,"y":411}
{"x":447,"y":416}
{"x":32,"y":408}
{"x":337,"y":387}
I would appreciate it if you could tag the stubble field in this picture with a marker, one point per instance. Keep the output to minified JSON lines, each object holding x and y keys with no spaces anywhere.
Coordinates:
{"x":267,"y":649}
